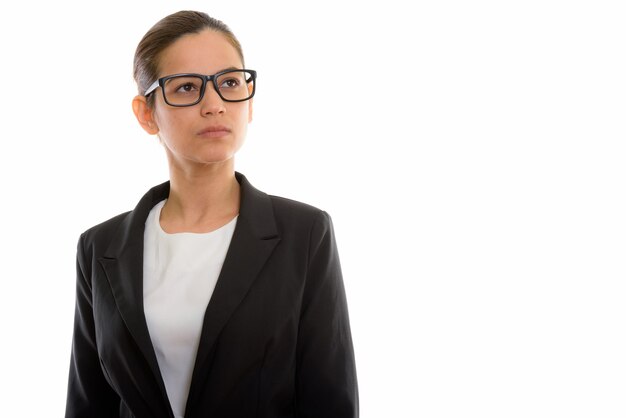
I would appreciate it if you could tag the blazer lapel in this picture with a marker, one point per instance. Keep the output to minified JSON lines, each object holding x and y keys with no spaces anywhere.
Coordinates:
{"x":253,"y":241}
{"x":123,"y":265}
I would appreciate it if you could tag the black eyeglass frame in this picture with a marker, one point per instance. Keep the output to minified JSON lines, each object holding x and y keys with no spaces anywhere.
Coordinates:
{"x":205,"y":78}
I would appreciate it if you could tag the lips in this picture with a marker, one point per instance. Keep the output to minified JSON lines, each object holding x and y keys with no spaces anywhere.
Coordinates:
{"x":214,"y":131}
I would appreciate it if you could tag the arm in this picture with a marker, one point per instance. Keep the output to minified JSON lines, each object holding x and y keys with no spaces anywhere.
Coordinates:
{"x":88,"y":393}
{"x":326,"y":373}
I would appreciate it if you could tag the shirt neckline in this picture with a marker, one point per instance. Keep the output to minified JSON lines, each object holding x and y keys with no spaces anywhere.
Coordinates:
{"x":157,"y":215}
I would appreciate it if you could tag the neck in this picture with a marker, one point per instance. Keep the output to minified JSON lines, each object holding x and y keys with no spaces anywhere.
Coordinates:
{"x":201,"y":199}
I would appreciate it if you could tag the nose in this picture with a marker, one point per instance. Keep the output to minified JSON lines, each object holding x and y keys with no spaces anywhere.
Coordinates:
{"x":212,"y":103}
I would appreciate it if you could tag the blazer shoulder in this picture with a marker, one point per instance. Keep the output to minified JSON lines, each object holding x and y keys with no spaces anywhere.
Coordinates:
{"x":295,"y":209}
{"x":102,"y":232}
{"x":300,"y":218}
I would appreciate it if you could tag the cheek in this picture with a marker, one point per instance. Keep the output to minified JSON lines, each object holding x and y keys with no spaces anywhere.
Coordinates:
{"x":169,"y":123}
{"x":246,"y":113}
{"x":245,"y":119}
{"x":240,"y":117}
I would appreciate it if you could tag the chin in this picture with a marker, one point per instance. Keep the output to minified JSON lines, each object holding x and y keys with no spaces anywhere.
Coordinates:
{"x":214,"y":158}
{"x":213,"y":153}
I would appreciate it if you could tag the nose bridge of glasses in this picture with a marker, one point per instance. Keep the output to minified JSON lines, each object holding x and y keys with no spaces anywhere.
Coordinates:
{"x":212,"y":80}
{"x":210,"y":88}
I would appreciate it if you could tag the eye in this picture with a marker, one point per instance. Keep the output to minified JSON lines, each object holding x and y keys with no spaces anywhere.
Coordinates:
{"x":183,"y":86}
{"x":187,"y":88}
{"x":230,"y":83}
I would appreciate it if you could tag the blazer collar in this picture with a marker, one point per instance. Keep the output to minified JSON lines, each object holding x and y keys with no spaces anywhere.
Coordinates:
{"x":255,"y":209}
{"x":253,"y":241}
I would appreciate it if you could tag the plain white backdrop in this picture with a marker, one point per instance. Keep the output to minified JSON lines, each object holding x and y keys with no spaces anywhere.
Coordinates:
{"x":472,"y":156}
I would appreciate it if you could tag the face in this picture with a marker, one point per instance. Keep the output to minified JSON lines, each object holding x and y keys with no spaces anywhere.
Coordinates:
{"x":188,"y":133}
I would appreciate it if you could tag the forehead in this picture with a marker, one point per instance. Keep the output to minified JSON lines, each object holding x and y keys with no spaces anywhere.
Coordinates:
{"x":206,"y":52}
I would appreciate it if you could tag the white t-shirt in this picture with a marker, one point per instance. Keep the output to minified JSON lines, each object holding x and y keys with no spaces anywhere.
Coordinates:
{"x":179,"y":275}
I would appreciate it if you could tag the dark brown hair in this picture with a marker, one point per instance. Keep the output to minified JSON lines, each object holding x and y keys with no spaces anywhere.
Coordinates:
{"x":164,"y":33}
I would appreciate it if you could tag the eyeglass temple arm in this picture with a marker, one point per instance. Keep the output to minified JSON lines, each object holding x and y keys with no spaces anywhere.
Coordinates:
{"x":152,"y":87}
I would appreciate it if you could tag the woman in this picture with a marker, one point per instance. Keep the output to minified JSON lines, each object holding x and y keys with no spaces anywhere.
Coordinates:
{"x":274,"y":341}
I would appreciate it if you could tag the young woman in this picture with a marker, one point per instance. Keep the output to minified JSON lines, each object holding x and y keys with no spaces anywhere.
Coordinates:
{"x":210,"y":298}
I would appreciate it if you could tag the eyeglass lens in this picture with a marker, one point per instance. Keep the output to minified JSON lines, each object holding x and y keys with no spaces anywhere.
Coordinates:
{"x":185,"y":90}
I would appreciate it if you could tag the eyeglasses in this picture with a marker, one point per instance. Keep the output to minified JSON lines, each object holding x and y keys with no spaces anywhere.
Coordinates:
{"x":188,"y":89}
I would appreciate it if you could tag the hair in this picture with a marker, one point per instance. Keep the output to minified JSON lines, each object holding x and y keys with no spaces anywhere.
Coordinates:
{"x":163,"y":34}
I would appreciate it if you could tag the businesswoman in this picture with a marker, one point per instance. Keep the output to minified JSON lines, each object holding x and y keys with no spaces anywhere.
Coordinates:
{"x":210,"y":298}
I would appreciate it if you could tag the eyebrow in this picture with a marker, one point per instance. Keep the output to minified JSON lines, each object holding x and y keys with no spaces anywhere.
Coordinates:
{"x":218,"y":71}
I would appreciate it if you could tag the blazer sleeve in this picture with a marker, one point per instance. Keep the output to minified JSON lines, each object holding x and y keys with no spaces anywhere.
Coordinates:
{"x":325,"y":372}
{"x":88,"y":394}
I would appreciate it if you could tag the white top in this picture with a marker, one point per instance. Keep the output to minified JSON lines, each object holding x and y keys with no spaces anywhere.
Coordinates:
{"x":179,"y":274}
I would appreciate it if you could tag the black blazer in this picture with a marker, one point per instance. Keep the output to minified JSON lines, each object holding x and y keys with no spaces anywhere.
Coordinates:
{"x":275,"y":340}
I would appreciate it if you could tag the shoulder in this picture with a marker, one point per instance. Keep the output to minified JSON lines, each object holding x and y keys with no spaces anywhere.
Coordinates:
{"x":126,"y":227}
{"x":296,"y":211}
{"x":285,"y":205}
{"x":302,"y":219}
{"x":100,"y":235}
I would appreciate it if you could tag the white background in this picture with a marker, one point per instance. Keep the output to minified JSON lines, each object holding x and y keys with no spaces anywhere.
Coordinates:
{"x":471,"y":154}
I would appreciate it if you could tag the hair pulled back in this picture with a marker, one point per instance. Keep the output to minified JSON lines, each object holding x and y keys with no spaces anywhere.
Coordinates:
{"x":164,"y":33}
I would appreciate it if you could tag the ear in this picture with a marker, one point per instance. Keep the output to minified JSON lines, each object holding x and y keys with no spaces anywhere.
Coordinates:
{"x":144,"y":115}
